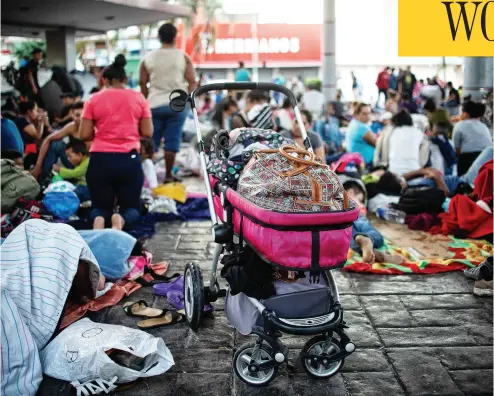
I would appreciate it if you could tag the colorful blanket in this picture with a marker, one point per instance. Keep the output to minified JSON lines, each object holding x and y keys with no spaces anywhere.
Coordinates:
{"x":463,"y":253}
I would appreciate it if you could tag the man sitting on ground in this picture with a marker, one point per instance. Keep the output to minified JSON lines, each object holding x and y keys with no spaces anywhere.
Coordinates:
{"x":66,"y":116}
{"x":53,"y":148}
{"x":78,"y":156}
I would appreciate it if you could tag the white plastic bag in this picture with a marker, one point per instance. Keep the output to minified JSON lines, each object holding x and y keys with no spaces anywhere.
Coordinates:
{"x":60,"y":186}
{"x":78,"y":353}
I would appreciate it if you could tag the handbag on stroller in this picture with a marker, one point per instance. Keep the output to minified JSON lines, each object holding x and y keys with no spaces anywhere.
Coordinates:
{"x":291,"y":213}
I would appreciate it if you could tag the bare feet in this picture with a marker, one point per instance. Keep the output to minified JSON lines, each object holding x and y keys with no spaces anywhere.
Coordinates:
{"x":99,"y":223}
{"x":366,"y":247}
{"x":388,"y":258}
{"x":117,"y":222}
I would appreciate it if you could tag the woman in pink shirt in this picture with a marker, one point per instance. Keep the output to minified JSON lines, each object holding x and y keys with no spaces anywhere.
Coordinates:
{"x":115,"y":119}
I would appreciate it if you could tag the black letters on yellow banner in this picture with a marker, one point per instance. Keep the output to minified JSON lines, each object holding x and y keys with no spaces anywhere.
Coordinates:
{"x":465,"y":9}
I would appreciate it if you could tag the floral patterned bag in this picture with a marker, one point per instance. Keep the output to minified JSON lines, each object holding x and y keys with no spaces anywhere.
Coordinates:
{"x":290,"y":179}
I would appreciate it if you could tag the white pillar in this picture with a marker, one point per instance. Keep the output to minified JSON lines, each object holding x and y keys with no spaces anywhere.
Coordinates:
{"x":60,"y":48}
{"x":328,"y":50}
{"x":255,"y":53}
{"x":478,"y":74}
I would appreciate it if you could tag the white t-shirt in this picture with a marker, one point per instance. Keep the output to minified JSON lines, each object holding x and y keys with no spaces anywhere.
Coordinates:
{"x":404,"y":149}
{"x":313,"y":101}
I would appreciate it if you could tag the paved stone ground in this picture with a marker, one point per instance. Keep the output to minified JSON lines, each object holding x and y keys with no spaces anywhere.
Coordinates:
{"x":416,"y":335}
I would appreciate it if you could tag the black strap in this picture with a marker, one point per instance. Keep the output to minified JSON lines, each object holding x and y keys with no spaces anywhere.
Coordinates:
{"x":241,"y":234}
{"x":316,"y":249}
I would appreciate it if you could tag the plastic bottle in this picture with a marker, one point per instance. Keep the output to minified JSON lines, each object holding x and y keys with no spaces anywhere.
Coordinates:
{"x":391,"y":215}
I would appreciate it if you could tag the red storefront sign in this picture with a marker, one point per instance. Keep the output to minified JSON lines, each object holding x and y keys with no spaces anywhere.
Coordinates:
{"x":276,"y":44}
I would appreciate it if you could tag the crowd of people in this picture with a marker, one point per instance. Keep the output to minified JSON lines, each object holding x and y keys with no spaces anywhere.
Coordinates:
{"x":424,"y":133}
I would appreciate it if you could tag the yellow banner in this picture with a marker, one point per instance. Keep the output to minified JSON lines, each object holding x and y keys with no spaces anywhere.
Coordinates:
{"x":445,"y":28}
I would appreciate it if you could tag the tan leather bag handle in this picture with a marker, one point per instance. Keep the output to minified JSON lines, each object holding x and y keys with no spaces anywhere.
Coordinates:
{"x":286,"y":149}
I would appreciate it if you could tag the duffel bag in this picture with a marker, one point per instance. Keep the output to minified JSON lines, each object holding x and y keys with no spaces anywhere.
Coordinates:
{"x":421,"y":199}
{"x":16,"y":184}
{"x":289,"y":179}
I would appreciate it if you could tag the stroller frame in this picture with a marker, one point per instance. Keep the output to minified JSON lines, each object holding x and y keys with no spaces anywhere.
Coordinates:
{"x":256,"y":364}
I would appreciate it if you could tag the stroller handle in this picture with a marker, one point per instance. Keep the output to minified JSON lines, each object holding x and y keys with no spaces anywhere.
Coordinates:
{"x":242,"y":86}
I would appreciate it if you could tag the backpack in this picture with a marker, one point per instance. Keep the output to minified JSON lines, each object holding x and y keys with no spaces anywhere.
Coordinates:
{"x":16,"y":184}
{"x":421,"y":199}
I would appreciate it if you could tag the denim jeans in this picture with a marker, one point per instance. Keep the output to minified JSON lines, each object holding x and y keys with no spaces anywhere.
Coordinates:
{"x":82,"y":193}
{"x":55,"y":152}
{"x":168,"y":124}
{"x":362,"y":226}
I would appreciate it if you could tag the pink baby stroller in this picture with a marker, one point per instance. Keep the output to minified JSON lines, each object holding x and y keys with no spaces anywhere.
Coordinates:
{"x":302,"y":242}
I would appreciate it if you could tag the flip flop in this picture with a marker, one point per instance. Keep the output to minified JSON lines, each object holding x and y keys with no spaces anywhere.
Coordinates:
{"x":168,"y":318}
{"x":158,"y":280}
{"x":141,"y":309}
{"x":162,"y":289}
{"x":148,"y":270}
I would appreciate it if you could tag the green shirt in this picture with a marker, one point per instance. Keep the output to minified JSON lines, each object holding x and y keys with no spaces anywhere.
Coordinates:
{"x":78,"y":174}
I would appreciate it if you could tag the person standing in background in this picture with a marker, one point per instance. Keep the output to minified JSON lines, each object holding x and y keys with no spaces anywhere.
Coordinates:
{"x":355,"y":87}
{"x":407,"y":82}
{"x":165,"y":70}
{"x":393,"y":80}
{"x":382,"y":84}
{"x":29,"y":85}
{"x":242,"y":74}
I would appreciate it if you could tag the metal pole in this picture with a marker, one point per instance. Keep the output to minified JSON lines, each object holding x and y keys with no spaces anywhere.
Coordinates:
{"x":255,"y":52}
{"x":477,"y":75}
{"x":328,"y":50}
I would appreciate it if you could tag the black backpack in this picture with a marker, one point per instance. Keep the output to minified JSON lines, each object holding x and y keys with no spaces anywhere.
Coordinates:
{"x":421,"y":199}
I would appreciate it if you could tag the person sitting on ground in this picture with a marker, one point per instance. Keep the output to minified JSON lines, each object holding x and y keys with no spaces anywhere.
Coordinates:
{"x":408,"y":104}
{"x":224,"y":111}
{"x":392,"y":103}
{"x":443,"y":156}
{"x":328,"y":127}
{"x":359,"y":137}
{"x":115,"y":119}
{"x":296,"y":135}
{"x":66,"y":115}
{"x":437,"y":114}
{"x":313,"y":101}
{"x":339,"y":106}
{"x":12,"y":146}
{"x":78,"y":156}
{"x":408,"y":147}
{"x":147,"y":153}
{"x":53,"y":147}
{"x":285,"y":116}
{"x":470,"y":136}
{"x":257,"y":113}
{"x":365,"y":238}
{"x":31,"y":122}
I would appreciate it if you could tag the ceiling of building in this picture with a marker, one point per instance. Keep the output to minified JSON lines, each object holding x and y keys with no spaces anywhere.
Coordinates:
{"x":31,"y":18}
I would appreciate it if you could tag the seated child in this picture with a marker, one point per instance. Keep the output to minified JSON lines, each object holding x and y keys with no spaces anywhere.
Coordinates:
{"x":78,"y":156}
{"x":365,"y":238}
{"x":147,"y":152}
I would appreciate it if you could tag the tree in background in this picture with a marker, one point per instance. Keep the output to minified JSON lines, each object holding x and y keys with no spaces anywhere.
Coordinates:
{"x":25,"y":48}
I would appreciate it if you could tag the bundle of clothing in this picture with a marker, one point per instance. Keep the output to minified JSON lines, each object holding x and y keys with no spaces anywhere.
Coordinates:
{"x":470,"y":216}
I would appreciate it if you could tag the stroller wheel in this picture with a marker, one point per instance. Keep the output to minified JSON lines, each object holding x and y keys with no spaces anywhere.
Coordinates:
{"x":193,"y":295}
{"x":317,"y":368}
{"x":250,"y":353}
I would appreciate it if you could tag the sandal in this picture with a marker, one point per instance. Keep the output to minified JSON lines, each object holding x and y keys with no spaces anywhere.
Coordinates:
{"x":158,"y":279}
{"x":176,"y":298}
{"x":141,"y":309}
{"x":168,"y":318}
{"x":150,"y":271}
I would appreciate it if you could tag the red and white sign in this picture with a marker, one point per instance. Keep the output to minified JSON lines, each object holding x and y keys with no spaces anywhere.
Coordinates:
{"x":276,"y":44}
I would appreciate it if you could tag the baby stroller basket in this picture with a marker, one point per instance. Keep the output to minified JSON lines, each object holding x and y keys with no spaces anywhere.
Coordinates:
{"x":291,"y":241}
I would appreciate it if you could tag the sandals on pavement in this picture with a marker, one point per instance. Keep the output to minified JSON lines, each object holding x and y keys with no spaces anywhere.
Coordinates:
{"x":168,"y":318}
{"x":141,"y":309}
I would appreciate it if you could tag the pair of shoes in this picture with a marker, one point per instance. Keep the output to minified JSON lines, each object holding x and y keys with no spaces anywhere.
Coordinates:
{"x":482,"y":271}
{"x":483,"y":288}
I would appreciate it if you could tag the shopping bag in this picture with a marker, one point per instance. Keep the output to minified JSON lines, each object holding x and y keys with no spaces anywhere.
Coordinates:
{"x":87,"y":351}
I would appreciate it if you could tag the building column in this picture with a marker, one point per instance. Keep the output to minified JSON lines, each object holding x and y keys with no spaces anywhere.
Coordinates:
{"x":328,"y":50}
{"x":60,"y":48}
{"x":478,"y":74}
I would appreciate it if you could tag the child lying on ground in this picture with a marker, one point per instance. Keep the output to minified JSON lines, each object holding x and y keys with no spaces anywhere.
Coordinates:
{"x":365,"y":238}
{"x":78,"y":156}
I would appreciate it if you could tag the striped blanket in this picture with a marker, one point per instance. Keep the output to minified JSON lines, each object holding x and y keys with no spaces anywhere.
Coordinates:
{"x":38,"y":263}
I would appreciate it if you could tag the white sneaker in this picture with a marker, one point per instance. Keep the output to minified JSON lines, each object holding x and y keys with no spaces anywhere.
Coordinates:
{"x":95,"y":387}
{"x":483,"y":288}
